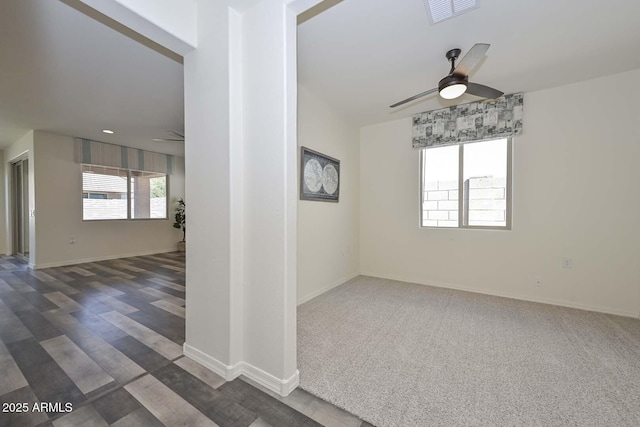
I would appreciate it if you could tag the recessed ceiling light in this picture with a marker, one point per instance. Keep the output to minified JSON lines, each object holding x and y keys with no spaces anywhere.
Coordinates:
{"x":439,"y":10}
{"x":107,"y":131}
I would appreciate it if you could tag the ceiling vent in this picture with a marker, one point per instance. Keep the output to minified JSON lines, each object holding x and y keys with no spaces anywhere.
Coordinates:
{"x":439,"y":10}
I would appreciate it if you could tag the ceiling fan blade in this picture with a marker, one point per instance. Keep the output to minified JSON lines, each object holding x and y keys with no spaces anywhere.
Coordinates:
{"x":483,"y":91}
{"x":178,"y":134}
{"x":420,"y":95}
{"x":471,"y":59}
{"x":167,"y":140}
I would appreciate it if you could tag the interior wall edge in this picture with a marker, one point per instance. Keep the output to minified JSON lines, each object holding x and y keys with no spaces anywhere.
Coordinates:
{"x":100,"y":258}
{"x":549,"y":301}
{"x":327,"y":288}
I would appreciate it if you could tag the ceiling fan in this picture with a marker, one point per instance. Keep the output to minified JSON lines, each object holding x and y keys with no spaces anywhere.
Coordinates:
{"x":457,"y":81}
{"x":179,"y":137}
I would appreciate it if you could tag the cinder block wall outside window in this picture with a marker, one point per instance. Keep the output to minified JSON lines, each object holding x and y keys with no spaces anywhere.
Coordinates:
{"x":484,"y":204}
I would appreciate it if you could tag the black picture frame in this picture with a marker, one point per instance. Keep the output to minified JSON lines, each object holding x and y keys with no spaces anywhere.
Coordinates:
{"x":319,"y":176}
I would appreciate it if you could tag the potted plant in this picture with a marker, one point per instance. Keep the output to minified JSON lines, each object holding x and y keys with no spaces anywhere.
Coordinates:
{"x":180,"y":223}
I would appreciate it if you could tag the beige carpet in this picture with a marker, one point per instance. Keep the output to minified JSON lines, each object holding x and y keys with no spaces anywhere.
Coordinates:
{"x":399,"y":354}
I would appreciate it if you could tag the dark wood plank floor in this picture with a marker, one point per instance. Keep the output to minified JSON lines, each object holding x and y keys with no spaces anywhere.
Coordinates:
{"x":105,"y":340}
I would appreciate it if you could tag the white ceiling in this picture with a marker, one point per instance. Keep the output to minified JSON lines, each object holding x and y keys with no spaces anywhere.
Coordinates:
{"x":64,"y":72}
{"x":363,"y":55}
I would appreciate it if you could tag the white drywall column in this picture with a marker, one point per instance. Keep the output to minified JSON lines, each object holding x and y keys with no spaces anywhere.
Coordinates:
{"x":240,"y":110}
{"x":270,"y":197}
{"x":213,"y":193}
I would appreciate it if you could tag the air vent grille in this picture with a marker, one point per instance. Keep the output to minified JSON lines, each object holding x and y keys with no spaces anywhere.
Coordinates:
{"x":439,"y":10}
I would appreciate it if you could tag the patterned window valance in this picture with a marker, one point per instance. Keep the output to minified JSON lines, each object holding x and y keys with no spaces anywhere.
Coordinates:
{"x":118,"y":156}
{"x":489,"y":119}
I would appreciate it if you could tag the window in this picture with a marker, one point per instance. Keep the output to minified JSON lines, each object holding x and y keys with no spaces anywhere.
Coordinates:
{"x":148,"y":195}
{"x":112,"y":193}
{"x":467,"y":185}
{"x":102,"y":188}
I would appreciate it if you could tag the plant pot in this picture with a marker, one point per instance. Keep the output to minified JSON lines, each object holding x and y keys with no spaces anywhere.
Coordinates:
{"x":182,"y":246}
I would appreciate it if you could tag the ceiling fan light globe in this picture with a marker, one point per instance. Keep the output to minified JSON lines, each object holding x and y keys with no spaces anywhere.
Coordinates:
{"x":453,"y":91}
{"x":452,"y":86}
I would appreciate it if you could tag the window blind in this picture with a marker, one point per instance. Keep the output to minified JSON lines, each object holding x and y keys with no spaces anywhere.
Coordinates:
{"x":98,"y":153}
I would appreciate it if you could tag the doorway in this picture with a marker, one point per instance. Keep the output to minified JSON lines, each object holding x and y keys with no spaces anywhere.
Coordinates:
{"x":20,"y":207}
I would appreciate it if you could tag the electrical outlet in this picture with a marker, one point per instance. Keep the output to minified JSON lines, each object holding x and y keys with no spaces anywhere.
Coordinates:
{"x":538,"y":281}
{"x":567,"y":262}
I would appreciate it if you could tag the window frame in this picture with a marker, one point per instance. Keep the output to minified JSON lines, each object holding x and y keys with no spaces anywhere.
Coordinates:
{"x":461,"y":226}
{"x":128,"y":198}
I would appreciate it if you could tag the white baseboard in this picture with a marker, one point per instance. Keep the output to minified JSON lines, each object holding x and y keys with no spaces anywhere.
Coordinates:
{"x":561,"y":303}
{"x":231,"y":372}
{"x":327,"y":288}
{"x":228,"y":372}
{"x":265,"y":379}
{"x":98,"y":258}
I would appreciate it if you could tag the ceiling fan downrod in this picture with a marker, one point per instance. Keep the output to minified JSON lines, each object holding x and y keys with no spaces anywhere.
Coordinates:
{"x":452,"y":55}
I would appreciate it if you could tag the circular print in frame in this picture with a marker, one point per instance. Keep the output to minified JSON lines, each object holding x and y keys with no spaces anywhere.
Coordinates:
{"x":313,"y":178}
{"x":330,"y":179}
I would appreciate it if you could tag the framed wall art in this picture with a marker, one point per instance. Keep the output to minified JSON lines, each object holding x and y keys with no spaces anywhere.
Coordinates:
{"x":319,"y":176}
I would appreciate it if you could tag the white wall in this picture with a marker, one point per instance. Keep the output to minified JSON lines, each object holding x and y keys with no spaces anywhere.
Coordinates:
{"x":575,"y":194}
{"x":58,"y":185}
{"x":20,"y":148}
{"x":328,"y":233}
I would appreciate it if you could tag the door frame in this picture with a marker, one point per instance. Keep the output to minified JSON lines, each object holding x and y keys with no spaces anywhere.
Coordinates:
{"x":19,"y":197}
